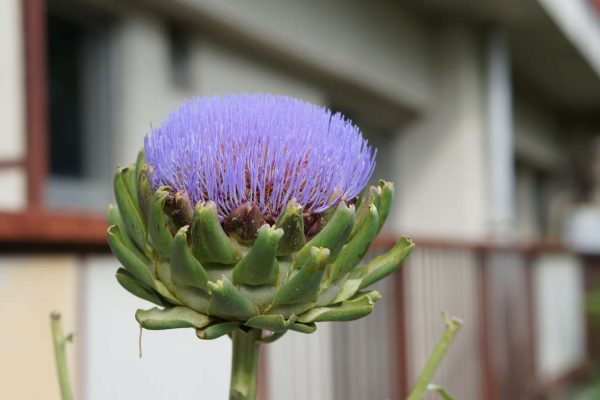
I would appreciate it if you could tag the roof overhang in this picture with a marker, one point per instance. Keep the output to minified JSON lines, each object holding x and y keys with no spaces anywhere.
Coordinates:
{"x":551,"y":61}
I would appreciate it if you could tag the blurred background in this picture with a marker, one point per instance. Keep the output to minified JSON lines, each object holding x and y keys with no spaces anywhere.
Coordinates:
{"x":486,"y":115}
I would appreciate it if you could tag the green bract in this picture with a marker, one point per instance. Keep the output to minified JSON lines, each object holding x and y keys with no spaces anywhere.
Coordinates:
{"x":180,"y":258}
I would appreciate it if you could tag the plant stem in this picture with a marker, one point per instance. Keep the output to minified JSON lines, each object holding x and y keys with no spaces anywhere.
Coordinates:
{"x":60,"y":340}
{"x":420,"y":388}
{"x":244,"y":365}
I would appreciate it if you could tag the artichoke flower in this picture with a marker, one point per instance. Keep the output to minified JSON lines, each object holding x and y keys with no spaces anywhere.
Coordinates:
{"x":243,"y":215}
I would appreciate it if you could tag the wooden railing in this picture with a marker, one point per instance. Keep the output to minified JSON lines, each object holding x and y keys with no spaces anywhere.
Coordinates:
{"x":490,"y":286}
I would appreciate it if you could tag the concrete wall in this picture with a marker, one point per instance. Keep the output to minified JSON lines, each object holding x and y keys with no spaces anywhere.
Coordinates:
{"x":440,"y":158}
{"x":378,"y":43}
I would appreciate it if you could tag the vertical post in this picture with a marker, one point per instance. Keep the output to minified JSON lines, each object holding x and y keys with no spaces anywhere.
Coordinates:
{"x":402,"y":355}
{"x":531,"y":319}
{"x":36,"y":99}
{"x":500,"y":133}
{"x":485,"y":327}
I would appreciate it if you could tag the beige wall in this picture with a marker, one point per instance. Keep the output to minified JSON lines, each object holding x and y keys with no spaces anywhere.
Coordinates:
{"x":31,"y":287}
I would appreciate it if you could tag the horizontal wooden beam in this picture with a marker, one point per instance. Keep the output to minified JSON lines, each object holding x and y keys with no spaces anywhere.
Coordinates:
{"x":43,"y":229}
{"x":32,"y":230}
{"x":387,"y":240}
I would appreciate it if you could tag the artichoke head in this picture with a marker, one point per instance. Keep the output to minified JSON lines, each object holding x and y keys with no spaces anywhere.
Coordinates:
{"x":217,"y":275}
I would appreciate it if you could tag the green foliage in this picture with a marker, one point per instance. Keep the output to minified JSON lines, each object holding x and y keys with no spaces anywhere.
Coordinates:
{"x":180,"y":258}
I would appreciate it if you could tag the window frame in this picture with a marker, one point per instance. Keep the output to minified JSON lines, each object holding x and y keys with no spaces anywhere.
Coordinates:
{"x":38,"y":226}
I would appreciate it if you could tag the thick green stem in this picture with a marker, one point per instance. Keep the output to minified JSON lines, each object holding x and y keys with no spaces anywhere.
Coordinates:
{"x":420,"y":388}
{"x":60,"y":340}
{"x":244,"y":365}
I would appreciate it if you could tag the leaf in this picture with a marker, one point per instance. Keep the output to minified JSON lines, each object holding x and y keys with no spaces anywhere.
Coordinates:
{"x":259,"y":266}
{"x":274,"y":323}
{"x":304,"y":285}
{"x":292,"y":223}
{"x":385,"y":264}
{"x":217,"y":330}
{"x":158,"y":227}
{"x":351,"y":286}
{"x":137,"y":288}
{"x":332,"y":236}
{"x":185,"y":269}
{"x":355,"y":308}
{"x":387,"y":197}
{"x":371,"y":198}
{"x":171,"y":318}
{"x":303,"y":328}
{"x":128,"y":258}
{"x":357,"y":247}
{"x":228,"y":302}
{"x":128,"y":207}
{"x":209,"y":240}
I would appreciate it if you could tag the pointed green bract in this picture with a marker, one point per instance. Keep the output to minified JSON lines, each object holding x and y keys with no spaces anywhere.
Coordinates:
{"x":357,"y":247}
{"x":166,"y":293}
{"x":291,"y":222}
{"x":274,"y":323}
{"x":259,"y":266}
{"x":171,"y":318}
{"x":351,"y":286}
{"x":228,"y":302}
{"x":304,"y":328}
{"x":332,"y":236}
{"x":185,"y":269}
{"x":348,"y":310}
{"x":145,"y":192}
{"x":217,"y":330}
{"x":209,"y":241}
{"x":128,"y":259}
{"x":372,"y":198}
{"x":140,"y":162}
{"x":387,"y":197}
{"x":128,"y":206}
{"x":114,"y":218}
{"x":137,"y":288}
{"x":385,"y":264}
{"x":158,"y":227}
{"x":304,"y":285}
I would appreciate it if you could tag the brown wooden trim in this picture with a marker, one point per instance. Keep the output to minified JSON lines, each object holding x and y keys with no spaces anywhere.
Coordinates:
{"x":485,"y":329}
{"x":34,"y":13}
{"x":386,"y":240}
{"x":12,"y":163}
{"x":531,"y":321}
{"x":401,"y":379}
{"x":35,"y":228}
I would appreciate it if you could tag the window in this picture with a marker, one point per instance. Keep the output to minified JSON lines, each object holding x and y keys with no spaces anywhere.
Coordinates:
{"x":180,"y":52}
{"x":79,"y":108}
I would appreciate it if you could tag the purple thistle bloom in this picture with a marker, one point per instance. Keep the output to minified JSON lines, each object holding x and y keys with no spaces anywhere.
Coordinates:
{"x":260,"y":149}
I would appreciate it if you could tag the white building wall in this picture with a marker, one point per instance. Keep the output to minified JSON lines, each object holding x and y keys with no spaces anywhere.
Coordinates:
{"x":379,"y":44}
{"x":440,"y":158}
{"x":560,"y":312}
{"x":12,"y":105}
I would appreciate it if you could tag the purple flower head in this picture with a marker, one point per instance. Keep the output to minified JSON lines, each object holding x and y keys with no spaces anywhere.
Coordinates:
{"x":260,"y":149}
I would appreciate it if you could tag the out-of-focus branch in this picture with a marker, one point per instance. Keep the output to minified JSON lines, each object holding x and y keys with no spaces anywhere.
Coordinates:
{"x":60,"y":340}
{"x":441,"y":348}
